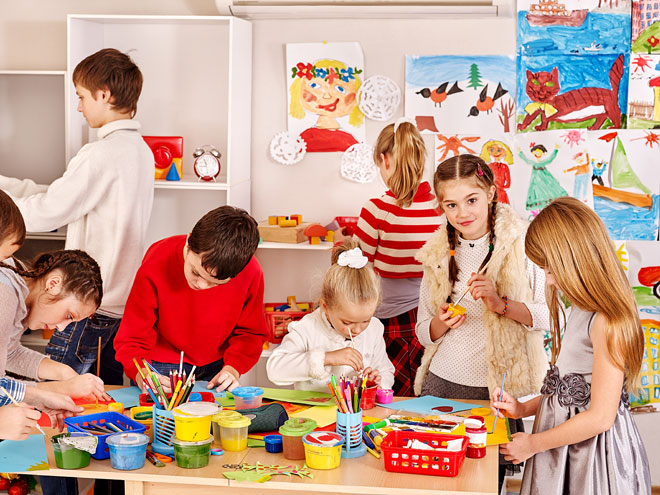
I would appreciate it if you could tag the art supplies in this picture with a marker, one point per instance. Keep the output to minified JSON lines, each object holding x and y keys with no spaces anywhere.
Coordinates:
{"x":460,"y":310}
{"x":145,"y":382}
{"x":475,"y":430}
{"x":429,"y":404}
{"x":401,"y":444}
{"x":292,"y":432}
{"x":24,"y":455}
{"x":127,"y":450}
{"x":322,"y":449}
{"x":497,"y":413}
{"x":192,"y":455}
{"x":15,"y":402}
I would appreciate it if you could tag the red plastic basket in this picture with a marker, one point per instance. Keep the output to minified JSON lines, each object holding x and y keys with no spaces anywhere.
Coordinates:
{"x":416,"y":461}
{"x":278,"y":321}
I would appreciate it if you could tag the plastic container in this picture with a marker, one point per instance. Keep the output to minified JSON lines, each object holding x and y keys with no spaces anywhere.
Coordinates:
{"x":148,"y":423}
{"x":116,"y":407}
{"x":192,"y":455}
{"x":217,"y":431}
{"x":128,"y":451}
{"x":349,"y":426}
{"x":247,"y":397}
{"x":384,"y":395}
{"x":278,"y":321}
{"x":399,"y":459}
{"x":292,"y":432}
{"x":163,"y":431}
{"x":323,"y":449}
{"x":67,"y":456}
{"x":475,"y":430}
{"x":273,"y":443}
{"x":77,"y":423}
{"x":146,"y":400}
{"x":192,"y":421}
{"x":368,"y":400}
{"x":234,"y":430}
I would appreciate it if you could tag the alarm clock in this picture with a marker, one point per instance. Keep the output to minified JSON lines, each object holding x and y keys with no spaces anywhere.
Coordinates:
{"x":207,"y":162}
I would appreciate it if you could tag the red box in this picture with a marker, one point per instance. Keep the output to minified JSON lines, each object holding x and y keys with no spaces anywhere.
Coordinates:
{"x":416,"y":461}
{"x":347,"y":224}
{"x":278,"y":321}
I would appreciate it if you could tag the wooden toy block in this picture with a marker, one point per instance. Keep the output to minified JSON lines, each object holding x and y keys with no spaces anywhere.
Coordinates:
{"x":288,"y":223}
{"x":297,"y":218}
{"x":272,"y":220}
{"x":275,"y":233}
{"x":315,"y":231}
{"x":330,"y":236}
{"x":281,"y":219}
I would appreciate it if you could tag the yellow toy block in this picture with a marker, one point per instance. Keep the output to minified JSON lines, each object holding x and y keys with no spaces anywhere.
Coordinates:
{"x":161,"y":173}
{"x":287,"y":223}
{"x":330,"y":236}
{"x":272,"y":220}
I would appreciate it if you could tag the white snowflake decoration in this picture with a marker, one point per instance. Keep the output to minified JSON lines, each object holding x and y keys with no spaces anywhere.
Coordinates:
{"x":357,"y":164}
{"x":287,"y":149}
{"x":379,"y":97}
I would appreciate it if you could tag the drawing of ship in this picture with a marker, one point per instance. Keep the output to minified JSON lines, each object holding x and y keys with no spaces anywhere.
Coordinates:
{"x":554,"y":13}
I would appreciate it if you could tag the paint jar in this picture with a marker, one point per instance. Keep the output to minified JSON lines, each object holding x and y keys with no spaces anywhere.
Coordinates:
{"x":192,"y":421}
{"x":273,"y":443}
{"x":247,"y":397}
{"x":128,"y":451}
{"x":192,"y":455}
{"x":384,"y":395}
{"x":368,"y":400}
{"x":116,"y":407}
{"x":67,"y":456}
{"x":145,"y":416}
{"x":323,"y":449}
{"x":349,"y":426}
{"x":475,"y":430}
{"x":217,"y":431}
{"x":292,"y":432}
{"x":233,"y":432}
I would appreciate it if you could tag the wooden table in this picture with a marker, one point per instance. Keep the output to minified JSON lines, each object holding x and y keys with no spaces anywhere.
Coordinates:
{"x":365,"y":475}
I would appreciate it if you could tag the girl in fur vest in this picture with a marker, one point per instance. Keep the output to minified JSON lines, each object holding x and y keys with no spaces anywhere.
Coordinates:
{"x":502,"y":328}
{"x":341,"y":337}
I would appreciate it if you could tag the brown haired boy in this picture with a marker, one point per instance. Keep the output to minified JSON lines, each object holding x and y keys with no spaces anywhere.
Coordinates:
{"x":201,"y":294}
{"x":104,"y":198}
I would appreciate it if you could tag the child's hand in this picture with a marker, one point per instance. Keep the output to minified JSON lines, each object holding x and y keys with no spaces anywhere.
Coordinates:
{"x":509,"y":406}
{"x":86,"y":385}
{"x":227,"y":379}
{"x":445,"y":317}
{"x":520,"y":449}
{"x":16,"y":422}
{"x":162,"y":380}
{"x":372,"y":375}
{"x":483,"y":288}
{"x":344,"y":357}
{"x":49,"y":401}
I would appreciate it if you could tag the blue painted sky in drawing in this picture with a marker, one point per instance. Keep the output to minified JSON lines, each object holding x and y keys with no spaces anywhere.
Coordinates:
{"x":575,"y":71}
{"x":435,"y":69}
{"x":611,"y":31}
{"x":624,"y":221}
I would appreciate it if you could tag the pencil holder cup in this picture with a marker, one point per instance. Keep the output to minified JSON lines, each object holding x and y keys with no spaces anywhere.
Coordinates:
{"x":384,"y":395}
{"x":368,"y":400}
{"x":349,"y":426}
{"x":164,"y":432}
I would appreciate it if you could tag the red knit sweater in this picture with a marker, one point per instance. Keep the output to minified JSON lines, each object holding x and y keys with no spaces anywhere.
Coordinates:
{"x":164,"y":316}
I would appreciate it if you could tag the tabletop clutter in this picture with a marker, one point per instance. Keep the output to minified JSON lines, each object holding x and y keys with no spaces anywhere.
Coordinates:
{"x":165,"y":429}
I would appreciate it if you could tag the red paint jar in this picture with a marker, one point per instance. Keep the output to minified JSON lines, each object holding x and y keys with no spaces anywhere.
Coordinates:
{"x":475,"y":430}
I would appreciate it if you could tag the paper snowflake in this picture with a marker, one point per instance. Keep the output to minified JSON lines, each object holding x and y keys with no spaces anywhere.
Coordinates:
{"x":287,"y":149}
{"x":357,"y":164}
{"x":379,"y":97}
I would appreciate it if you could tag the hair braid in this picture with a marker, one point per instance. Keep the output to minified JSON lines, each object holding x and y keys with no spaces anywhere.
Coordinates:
{"x":452,"y":236}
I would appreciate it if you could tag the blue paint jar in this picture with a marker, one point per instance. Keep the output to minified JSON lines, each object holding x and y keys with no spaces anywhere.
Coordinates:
{"x":273,"y":443}
{"x":128,"y":451}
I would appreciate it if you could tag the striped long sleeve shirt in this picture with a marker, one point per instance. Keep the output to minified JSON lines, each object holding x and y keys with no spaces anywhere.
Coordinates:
{"x":391,"y":235}
{"x":16,"y":389}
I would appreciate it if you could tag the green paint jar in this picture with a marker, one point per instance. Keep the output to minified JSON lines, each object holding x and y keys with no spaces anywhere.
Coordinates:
{"x":68,"y":457}
{"x":192,"y":455}
{"x":292,"y":432}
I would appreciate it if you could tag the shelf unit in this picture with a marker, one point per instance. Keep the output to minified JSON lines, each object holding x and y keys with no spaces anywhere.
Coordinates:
{"x":197,"y":84}
{"x":324,"y":246}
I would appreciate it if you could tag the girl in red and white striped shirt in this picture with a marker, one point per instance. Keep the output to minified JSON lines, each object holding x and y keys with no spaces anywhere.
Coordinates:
{"x":391,"y":229}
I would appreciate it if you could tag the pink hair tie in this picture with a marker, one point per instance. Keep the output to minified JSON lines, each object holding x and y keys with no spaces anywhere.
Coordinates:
{"x":480,"y":171}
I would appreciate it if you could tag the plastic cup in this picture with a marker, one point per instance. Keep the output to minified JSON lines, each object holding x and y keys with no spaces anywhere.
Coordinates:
{"x":192,"y":455}
{"x":128,"y":451}
{"x":323,"y":449}
{"x":292,"y":432}
{"x":67,"y":456}
{"x":233,"y":432}
{"x":369,"y":396}
{"x":192,"y":421}
{"x":215,"y":426}
{"x":384,"y":395}
{"x":247,"y":397}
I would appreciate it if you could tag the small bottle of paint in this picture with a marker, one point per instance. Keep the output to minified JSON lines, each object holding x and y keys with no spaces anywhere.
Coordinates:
{"x":475,"y":429}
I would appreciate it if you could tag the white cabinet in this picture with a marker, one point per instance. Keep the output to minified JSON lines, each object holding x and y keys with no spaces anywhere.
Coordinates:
{"x":197,"y":84}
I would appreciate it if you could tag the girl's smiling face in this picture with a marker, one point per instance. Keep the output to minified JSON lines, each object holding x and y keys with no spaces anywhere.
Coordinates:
{"x":496,"y":152}
{"x":467,"y":207}
{"x":334,"y":99}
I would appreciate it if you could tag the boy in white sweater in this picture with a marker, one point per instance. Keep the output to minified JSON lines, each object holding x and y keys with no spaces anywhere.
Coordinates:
{"x":104,"y":197}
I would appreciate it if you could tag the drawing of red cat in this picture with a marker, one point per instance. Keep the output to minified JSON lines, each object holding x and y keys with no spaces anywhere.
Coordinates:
{"x":576,"y":105}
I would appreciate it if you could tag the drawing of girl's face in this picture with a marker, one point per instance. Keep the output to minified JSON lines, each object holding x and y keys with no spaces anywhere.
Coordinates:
{"x":497,"y":152}
{"x":334,"y":99}
{"x":538,"y":153}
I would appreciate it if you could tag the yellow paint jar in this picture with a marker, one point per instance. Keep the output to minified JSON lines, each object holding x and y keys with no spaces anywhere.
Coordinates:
{"x":456,"y":310}
{"x":233,"y":432}
{"x":323,"y":449}
{"x":217,"y":430}
{"x":116,"y":407}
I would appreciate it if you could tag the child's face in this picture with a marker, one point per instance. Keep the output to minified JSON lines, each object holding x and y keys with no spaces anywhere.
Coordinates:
{"x":334,"y":99}
{"x":94,"y":107}
{"x":346,"y":315}
{"x":56,"y":315}
{"x":196,"y":275}
{"x":538,"y":153}
{"x":8,"y":247}
{"x":497,"y":152}
{"x":466,"y":206}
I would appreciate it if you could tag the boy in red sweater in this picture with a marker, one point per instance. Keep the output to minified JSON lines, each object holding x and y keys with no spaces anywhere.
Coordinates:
{"x":201,"y":294}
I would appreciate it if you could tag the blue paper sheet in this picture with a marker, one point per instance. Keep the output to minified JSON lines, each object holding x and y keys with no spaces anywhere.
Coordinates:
{"x":428,"y":404}
{"x":129,"y":396}
{"x":26,"y":455}
{"x":200,"y":386}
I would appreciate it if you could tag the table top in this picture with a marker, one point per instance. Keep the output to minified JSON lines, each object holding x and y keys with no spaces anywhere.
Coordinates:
{"x":362,"y":475}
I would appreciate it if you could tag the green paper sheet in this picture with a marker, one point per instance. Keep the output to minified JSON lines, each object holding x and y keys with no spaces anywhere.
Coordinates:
{"x":299,"y":397}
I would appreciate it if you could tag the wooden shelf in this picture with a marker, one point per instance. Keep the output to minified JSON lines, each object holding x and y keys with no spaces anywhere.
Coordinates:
{"x":324,"y":246}
{"x":189,"y":182}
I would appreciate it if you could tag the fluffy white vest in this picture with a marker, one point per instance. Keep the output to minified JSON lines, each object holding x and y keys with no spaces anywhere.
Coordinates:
{"x":510,"y":346}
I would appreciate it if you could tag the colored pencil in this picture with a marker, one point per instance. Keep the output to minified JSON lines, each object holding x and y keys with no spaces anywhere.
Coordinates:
{"x":11,"y":398}
{"x":181,"y":364}
{"x":497,"y":412}
{"x":172,"y":382}
{"x":146,"y":383}
{"x":175,"y":392}
{"x":98,"y":359}
{"x":332,"y":392}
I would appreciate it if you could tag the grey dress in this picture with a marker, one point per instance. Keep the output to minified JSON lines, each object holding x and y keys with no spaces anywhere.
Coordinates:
{"x":613,"y":462}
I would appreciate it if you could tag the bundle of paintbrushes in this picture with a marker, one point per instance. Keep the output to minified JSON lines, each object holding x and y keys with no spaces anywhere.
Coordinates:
{"x":347,"y":392}
{"x":180,"y":385}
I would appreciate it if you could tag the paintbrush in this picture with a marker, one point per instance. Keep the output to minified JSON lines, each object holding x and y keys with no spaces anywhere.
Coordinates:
{"x":481,"y":270}
{"x":11,"y":398}
{"x":497,"y":412}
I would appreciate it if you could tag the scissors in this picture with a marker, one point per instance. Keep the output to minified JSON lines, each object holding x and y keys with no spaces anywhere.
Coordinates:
{"x":161,"y":457}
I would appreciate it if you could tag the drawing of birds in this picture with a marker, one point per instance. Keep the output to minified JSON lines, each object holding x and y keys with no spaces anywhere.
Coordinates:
{"x":439,"y":94}
{"x":486,"y":103}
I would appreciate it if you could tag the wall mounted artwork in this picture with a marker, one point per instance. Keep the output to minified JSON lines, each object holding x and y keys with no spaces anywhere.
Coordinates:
{"x":322,"y":84}
{"x":645,"y":26}
{"x":644,"y":91}
{"x":447,"y":93}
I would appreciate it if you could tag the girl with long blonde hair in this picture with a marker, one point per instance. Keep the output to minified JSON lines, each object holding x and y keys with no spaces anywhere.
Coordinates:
{"x":583,"y":414}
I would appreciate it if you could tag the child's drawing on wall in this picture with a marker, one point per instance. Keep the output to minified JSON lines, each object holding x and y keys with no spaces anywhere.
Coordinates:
{"x":543,"y":187}
{"x":582,"y":176}
{"x":323,"y":106}
{"x":499,"y":157}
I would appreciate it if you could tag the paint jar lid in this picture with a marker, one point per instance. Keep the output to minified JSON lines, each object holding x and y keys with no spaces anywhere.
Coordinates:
{"x":273,"y":443}
{"x":198,"y":409}
{"x":234,"y":421}
{"x":181,"y":443}
{"x":224,"y":414}
{"x":248,"y":392}
{"x":323,"y":439}
{"x":297,"y":427}
{"x":127,"y":439}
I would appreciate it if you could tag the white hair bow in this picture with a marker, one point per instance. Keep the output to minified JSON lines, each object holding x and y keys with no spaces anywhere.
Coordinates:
{"x":401,"y":120}
{"x":353,"y":258}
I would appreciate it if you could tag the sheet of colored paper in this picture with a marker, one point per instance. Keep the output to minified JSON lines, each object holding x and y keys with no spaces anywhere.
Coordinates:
{"x":428,"y":404}
{"x":26,"y":455}
{"x":323,"y":415}
{"x":200,"y":386}
{"x":502,"y":433}
{"x":299,"y":396}
{"x":129,"y":396}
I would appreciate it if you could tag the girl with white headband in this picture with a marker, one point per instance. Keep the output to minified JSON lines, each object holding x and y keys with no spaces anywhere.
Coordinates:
{"x":341,"y":337}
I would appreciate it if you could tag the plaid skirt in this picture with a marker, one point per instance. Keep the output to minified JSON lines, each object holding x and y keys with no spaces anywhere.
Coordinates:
{"x":404,"y":350}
